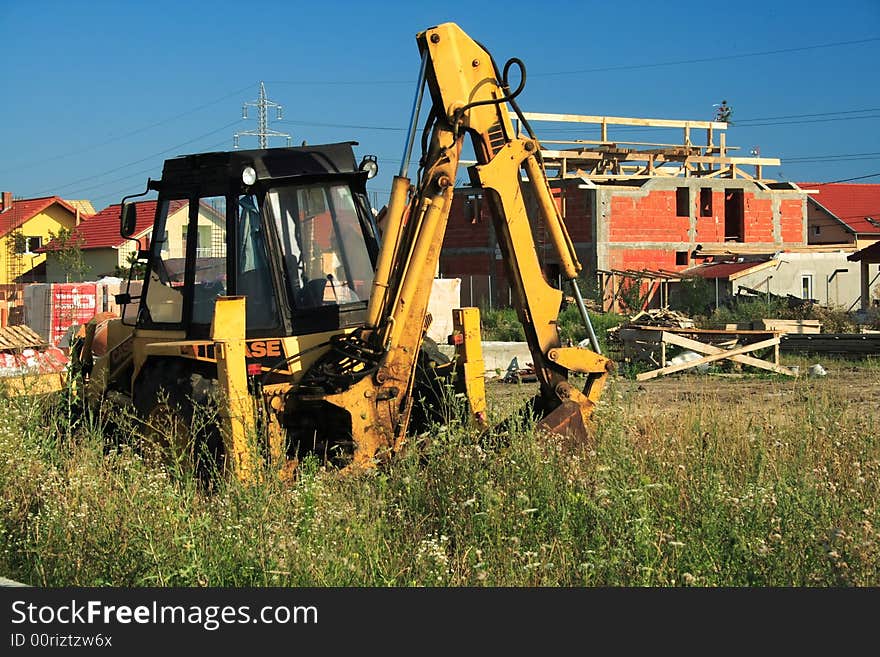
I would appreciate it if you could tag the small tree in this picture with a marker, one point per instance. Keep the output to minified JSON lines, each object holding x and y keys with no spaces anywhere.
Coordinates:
{"x":67,"y":249}
{"x":136,"y":267}
{"x":696,"y":296}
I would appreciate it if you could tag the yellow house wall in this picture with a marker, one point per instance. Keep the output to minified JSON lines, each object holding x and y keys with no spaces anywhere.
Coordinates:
{"x":100,"y":262}
{"x":174,"y":225}
{"x":53,"y":218}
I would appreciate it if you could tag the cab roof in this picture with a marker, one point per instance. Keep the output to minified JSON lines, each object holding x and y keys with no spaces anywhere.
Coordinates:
{"x":217,"y":168}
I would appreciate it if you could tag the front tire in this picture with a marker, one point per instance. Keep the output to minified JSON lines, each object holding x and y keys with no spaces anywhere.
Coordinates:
{"x":177,"y":406}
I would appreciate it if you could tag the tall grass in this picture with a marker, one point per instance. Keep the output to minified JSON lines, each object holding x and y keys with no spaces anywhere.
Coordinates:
{"x":503,"y":324}
{"x":705,"y":493}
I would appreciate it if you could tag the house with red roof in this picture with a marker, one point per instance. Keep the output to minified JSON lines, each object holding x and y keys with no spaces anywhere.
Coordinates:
{"x":843,"y":213}
{"x":105,"y":252}
{"x":25,"y":226}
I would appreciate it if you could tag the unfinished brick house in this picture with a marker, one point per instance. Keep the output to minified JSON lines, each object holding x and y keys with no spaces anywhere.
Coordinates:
{"x":638,"y":212}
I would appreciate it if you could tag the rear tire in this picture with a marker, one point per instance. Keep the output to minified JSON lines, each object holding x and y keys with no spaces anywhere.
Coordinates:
{"x":433,"y":391}
{"x":178,"y":410}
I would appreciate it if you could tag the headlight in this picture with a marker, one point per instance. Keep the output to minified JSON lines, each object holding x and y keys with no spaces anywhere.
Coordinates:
{"x":370,"y":165}
{"x":248,"y":176}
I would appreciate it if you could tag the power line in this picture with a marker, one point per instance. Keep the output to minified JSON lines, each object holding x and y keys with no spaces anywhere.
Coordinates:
{"x":803,"y":116}
{"x":770,"y":123}
{"x":341,"y":125}
{"x":601,"y":69}
{"x":377,"y":82}
{"x":841,"y":156}
{"x":322,"y":83}
{"x":122,"y":192}
{"x":566,"y":130}
{"x":832,"y":182}
{"x":143,"y":159}
{"x":571,"y":129}
{"x":136,"y":131}
{"x":703,"y":60}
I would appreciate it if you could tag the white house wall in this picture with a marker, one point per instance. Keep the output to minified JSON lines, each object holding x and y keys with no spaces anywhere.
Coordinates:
{"x":840,"y":289}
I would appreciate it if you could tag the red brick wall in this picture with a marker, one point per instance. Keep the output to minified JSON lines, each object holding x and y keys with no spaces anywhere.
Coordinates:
{"x":638,"y":259}
{"x":791,"y":219}
{"x":711,"y":229}
{"x":758,"y":219}
{"x":649,"y":218}
{"x":460,"y":231}
{"x":472,"y":263}
{"x":578,"y":213}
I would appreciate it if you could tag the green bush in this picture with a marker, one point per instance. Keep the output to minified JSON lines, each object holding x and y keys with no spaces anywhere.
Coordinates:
{"x":832,"y":320}
{"x":503,"y":325}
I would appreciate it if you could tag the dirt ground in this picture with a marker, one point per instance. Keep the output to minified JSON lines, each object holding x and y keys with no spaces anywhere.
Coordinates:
{"x":856,"y":381}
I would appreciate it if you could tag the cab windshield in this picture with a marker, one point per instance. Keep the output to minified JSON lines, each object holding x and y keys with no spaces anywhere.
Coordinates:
{"x":323,"y":243}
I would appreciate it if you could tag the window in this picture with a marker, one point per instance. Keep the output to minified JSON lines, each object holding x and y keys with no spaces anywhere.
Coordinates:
{"x":322,"y":241}
{"x":191,"y":249}
{"x":253,"y":278}
{"x":204,"y":247}
{"x":164,"y":283}
{"x":734,"y":215}
{"x":209,"y":265}
{"x":806,"y":286}
{"x":472,"y":208}
{"x":681,"y":258}
{"x":817,"y":230}
{"x":682,"y":202}
{"x":27,"y":244}
{"x":705,"y":201}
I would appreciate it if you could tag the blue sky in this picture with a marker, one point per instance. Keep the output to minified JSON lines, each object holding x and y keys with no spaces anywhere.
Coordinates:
{"x":97,"y":94}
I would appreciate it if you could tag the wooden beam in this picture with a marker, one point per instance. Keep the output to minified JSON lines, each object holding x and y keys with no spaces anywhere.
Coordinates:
{"x":724,"y":354}
{"x":704,"y":348}
{"x":715,"y":159}
{"x":620,"y":120}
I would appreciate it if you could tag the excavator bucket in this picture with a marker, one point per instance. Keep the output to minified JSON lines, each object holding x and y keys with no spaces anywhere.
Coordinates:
{"x":567,"y":421}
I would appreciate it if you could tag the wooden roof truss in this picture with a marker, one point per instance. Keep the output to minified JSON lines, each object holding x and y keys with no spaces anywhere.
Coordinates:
{"x":607,"y":158}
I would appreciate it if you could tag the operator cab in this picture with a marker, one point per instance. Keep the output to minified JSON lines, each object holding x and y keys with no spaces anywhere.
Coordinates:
{"x":289,"y":228}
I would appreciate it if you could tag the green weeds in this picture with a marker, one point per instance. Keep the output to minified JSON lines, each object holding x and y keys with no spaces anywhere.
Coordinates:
{"x":704,"y":493}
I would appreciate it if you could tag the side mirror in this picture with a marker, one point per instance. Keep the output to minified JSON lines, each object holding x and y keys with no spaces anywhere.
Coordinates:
{"x":128,"y":219}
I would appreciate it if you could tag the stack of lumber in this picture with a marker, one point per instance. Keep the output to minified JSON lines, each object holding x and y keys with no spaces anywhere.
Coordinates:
{"x":661,"y":317}
{"x":16,"y":338}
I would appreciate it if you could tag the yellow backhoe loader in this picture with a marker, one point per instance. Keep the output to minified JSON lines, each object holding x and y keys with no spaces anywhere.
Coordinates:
{"x":270,"y":292}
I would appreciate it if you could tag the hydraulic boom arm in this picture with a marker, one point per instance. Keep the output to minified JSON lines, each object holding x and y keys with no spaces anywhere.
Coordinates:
{"x":376,"y":367}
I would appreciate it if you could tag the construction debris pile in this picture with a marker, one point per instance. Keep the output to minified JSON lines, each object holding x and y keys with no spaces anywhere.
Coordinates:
{"x":662,"y":317}
{"x":28,"y":363}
